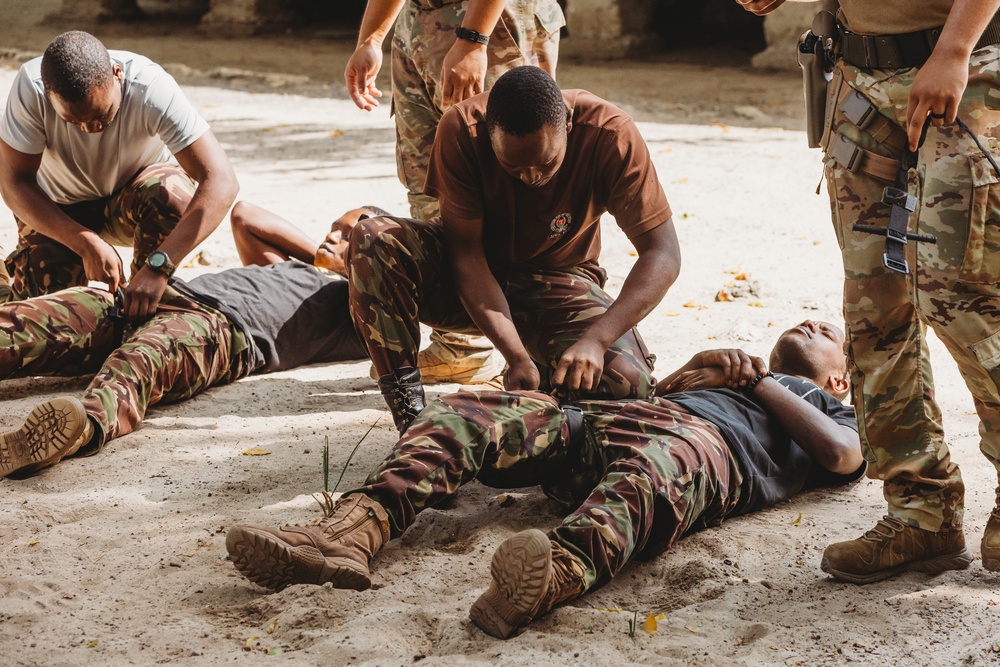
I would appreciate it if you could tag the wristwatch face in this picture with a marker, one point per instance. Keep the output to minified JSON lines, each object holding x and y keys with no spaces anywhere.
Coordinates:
{"x":157,"y":259}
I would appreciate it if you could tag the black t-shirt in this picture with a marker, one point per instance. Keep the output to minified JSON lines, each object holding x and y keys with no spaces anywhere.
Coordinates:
{"x":292,"y":313}
{"x":774,"y":466}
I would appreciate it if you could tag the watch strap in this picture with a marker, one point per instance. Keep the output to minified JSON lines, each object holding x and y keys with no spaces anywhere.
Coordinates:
{"x":472,"y":36}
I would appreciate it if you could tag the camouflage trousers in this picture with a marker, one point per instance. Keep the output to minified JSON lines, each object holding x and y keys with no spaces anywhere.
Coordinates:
{"x":953,"y":287}
{"x":4,"y":281}
{"x":182,"y":350}
{"x":645,"y":474}
{"x":526,"y":34}
{"x":139,"y":215}
{"x":400,"y":276}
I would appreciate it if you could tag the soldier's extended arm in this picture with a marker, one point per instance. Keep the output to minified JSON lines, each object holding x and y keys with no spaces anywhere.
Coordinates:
{"x":463,"y":73}
{"x":23,"y":196}
{"x":366,"y":61}
{"x":581,"y":366}
{"x":834,"y":446}
{"x":485,"y":301}
{"x":206,"y":163}
{"x":940,"y":83}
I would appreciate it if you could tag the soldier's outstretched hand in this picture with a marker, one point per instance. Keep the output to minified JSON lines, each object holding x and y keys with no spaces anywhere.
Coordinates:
{"x":463,"y":73}
{"x":760,"y":7}
{"x":362,"y":68}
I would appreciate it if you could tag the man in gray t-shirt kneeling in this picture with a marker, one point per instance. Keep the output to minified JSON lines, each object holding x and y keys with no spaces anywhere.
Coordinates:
{"x":85,"y":148}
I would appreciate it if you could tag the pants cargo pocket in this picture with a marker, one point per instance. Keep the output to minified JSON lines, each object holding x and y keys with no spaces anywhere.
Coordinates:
{"x":987,"y":352}
{"x":980,"y":269}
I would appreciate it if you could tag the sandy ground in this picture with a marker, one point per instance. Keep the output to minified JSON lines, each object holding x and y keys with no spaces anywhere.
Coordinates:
{"x":120,"y":558}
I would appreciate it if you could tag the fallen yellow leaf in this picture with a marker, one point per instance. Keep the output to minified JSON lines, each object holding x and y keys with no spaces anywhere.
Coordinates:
{"x":649,"y":625}
{"x":93,"y":644}
{"x":742,"y":276}
{"x":723,"y":295}
{"x":31,"y":544}
{"x":249,"y":645}
{"x":255,"y":451}
{"x":798,"y":519}
{"x":270,"y":628}
{"x":695,"y":304}
{"x":757,"y":304}
{"x":336,"y":133}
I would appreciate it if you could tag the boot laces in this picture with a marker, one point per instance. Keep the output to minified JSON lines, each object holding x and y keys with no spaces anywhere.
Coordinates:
{"x":886,"y":529}
{"x":567,"y":576}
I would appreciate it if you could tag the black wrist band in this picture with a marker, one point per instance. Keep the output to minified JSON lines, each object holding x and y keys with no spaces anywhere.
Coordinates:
{"x":753,"y":385}
{"x":472,"y":36}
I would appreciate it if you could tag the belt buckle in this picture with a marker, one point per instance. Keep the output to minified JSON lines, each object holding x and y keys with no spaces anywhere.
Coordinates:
{"x":899,"y":266}
{"x":871,"y":51}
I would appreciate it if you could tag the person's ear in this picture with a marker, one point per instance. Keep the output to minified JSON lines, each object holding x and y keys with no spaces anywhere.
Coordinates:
{"x":838,"y":384}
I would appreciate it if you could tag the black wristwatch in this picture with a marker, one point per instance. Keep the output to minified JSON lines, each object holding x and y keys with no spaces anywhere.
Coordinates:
{"x":160,"y":262}
{"x":472,"y":36}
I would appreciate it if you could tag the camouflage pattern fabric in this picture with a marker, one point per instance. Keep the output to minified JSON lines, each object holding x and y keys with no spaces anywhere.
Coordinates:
{"x":4,"y":280}
{"x":182,"y":350}
{"x":953,"y":287}
{"x":526,"y":34}
{"x":400,"y":277}
{"x":140,"y":215}
{"x":646,"y":474}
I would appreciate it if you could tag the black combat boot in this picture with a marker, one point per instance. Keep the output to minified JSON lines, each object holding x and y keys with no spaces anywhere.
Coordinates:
{"x":404,"y":393}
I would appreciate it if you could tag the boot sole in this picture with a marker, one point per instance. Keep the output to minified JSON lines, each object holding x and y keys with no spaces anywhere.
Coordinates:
{"x":269,"y":562}
{"x":932,"y":566}
{"x":521,"y":569}
{"x":51,"y":432}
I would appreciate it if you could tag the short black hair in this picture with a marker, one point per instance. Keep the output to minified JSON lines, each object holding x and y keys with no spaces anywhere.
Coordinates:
{"x":377,"y":211}
{"x":74,"y":64}
{"x":524,"y":100}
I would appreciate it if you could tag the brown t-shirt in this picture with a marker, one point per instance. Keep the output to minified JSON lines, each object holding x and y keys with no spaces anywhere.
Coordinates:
{"x":893,"y":17}
{"x":607,"y":168}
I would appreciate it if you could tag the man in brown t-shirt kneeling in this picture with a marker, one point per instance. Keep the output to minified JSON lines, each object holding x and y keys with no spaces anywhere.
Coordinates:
{"x":522,"y":174}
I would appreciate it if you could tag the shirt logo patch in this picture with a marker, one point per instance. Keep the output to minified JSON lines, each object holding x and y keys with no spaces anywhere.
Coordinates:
{"x":560,"y":225}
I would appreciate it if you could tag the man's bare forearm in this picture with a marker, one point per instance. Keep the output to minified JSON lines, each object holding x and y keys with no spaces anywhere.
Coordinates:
{"x":378,"y":19}
{"x":837,"y":448}
{"x":965,"y":25}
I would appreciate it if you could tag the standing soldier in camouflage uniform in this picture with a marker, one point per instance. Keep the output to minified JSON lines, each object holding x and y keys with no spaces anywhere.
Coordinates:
{"x":900,"y":66}
{"x":523,"y":175}
{"x":445,"y":51}
{"x":211,"y":330}
{"x":84,"y":149}
{"x":730,"y":438}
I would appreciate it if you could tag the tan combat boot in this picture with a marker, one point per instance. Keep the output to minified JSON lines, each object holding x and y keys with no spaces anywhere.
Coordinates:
{"x":892,"y":547}
{"x":53,"y":430}
{"x":531,"y":576}
{"x":991,"y":539}
{"x":337,"y":550}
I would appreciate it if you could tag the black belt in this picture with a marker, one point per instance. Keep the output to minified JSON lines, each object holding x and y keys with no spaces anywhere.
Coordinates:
{"x":911,"y":49}
{"x":577,"y":432}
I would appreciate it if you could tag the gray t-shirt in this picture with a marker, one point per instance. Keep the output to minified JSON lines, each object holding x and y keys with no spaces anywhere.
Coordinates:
{"x":154,"y":121}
